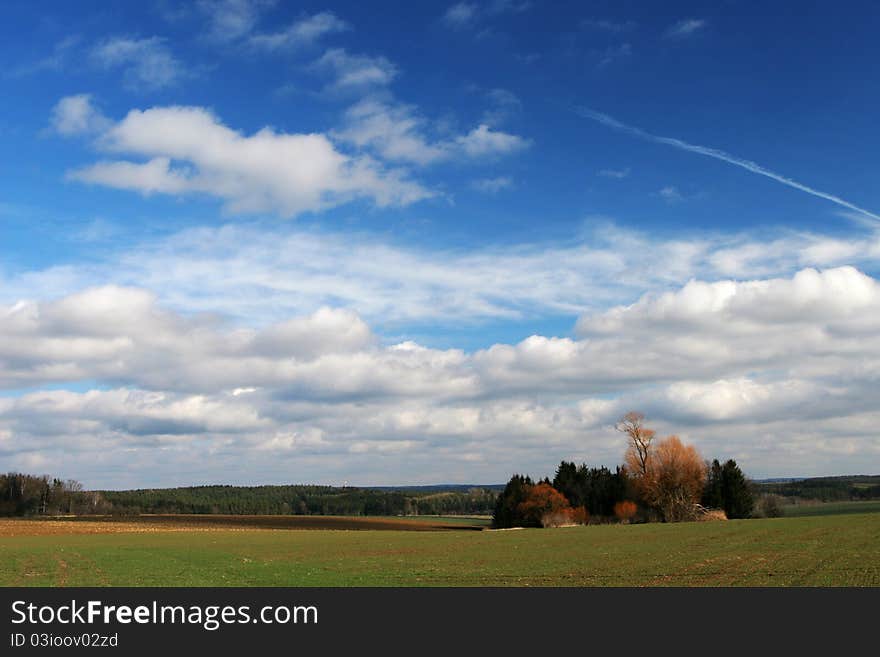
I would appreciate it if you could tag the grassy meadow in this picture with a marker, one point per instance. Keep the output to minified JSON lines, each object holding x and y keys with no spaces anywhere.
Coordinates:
{"x":828,"y":550}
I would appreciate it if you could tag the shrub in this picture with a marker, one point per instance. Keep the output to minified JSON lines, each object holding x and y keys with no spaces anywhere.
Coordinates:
{"x":540,"y":500}
{"x":625,"y":510}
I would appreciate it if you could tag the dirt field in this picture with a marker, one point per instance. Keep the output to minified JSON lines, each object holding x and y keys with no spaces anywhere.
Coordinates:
{"x":187,"y":523}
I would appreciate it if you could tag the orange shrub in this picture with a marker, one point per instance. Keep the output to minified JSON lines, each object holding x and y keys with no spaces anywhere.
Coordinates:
{"x":541,"y":500}
{"x":565,"y":517}
{"x":580,"y":515}
{"x":625,"y":510}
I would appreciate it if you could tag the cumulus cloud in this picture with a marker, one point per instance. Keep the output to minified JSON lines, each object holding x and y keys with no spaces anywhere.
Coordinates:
{"x":779,"y":373}
{"x":303,"y":32}
{"x":77,"y":115}
{"x":147,"y":64}
{"x":483,"y":141}
{"x":189,"y":150}
{"x":396,"y":132}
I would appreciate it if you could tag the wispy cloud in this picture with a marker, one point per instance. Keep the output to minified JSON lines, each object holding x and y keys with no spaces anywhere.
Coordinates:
{"x":618,"y":174}
{"x":460,"y":15}
{"x":230,"y":20}
{"x":670,"y":194}
{"x":56,"y":61}
{"x":467,"y":15}
{"x":685,"y":28}
{"x":492,"y":185}
{"x":716,"y":154}
{"x":397,"y":132}
{"x":609,"y":26}
{"x":355,"y":72}
{"x":301,"y":33}
{"x":148,"y":64}
{"x":613,"y":53}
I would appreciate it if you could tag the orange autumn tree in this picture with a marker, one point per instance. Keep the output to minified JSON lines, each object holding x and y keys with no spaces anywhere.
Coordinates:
{"x":668,"y":475}
{"x":544,"y":506}
{"x":675,"y":478}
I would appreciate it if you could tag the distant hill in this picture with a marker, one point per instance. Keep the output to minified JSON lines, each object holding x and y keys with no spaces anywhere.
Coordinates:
{"x":826,"y":489}
{"x":438,"y":488}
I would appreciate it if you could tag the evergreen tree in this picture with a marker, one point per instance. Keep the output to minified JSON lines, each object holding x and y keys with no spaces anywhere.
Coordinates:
{"x":506,"y":507}
{"x":569,"y":481}
{"x":735,"y":491}
{"x":713,"y":496}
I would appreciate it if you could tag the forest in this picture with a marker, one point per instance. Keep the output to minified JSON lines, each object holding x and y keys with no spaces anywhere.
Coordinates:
{"x":29,"y":495}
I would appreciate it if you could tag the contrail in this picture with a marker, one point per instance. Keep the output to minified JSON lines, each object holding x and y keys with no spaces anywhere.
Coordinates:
{"x":748,"y":165}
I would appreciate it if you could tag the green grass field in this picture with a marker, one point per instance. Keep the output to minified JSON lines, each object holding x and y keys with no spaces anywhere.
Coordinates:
{"x":835,"y":550}
{"x":830,"y":508}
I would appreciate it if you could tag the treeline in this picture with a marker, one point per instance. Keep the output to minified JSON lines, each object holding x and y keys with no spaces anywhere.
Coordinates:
{"x":827,"y":489}
{"x":28,"y":495}
{"x":300,"y":500}
{"x":662,"y":480}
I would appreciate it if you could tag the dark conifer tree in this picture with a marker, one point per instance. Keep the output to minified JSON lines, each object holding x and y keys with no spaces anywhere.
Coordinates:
{"x":736,"y":492}
{"x":506,"y":507}
{"x":713,"y":497}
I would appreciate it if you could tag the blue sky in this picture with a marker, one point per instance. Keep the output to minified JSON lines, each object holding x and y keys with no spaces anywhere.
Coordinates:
{"x":384,"y":244}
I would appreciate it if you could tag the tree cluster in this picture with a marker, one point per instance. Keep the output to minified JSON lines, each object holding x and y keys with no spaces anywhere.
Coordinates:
{"x":661,"y":479}
{"x":523,"y":503}
{"x":30,"y":495}
{"x":726,"y":488}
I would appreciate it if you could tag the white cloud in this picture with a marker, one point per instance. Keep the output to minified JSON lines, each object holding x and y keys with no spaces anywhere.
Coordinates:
{"x":397,"y":133}
{"x":229,"y":20}
{"x":148,"y":64}
{"x":189,"y":150}
{"x":492,"y":185}
{"x":303,"y":32}
{"x":274,"y":271}
{"x":466,"y":15}
{"x":779,"y":373}
{"x":77,"y":115}
{"x":460,"y":15}
{"x":686,"y":28}
{"x":505,"y":104}
{"x":484,"y":141}
{"x":355,"y":72}
{"x":670,"y":194}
